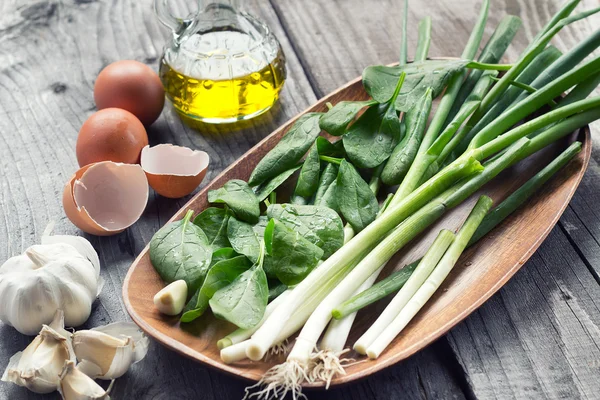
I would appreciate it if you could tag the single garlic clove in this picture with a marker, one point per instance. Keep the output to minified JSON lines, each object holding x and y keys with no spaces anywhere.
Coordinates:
{"x":170,"y":300}
{"x":38,"y":366}
{"x":109,"y":354}
{"x":75,"y":385}
{"x":125,"y":330}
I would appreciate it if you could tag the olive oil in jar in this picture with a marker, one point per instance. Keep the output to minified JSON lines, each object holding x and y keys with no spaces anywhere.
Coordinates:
{"x":229,"y":82}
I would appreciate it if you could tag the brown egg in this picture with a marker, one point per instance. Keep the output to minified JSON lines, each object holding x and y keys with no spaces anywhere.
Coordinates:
{"x":111,"y":134}
{"x":174,"y":171}
{"x":132,"y":86}
{"x":106,"y":198}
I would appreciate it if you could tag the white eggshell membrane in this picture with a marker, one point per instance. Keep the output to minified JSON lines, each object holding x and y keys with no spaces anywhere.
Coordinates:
{"x":114,"y":195}
{"x":167,"y":159}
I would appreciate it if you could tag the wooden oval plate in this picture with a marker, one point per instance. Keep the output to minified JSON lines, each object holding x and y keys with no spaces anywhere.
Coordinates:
{"x":481,"y":271}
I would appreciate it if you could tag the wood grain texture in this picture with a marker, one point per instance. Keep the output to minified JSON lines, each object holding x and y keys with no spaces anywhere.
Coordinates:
{"x":50,"y":54}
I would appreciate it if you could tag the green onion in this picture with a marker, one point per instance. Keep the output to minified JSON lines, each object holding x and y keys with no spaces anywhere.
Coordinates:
{"x":564,"y":12}
{"x":404,"y":42}
{"x":424,"y":39}
{"x":500,"y":142}
{"x":433,"y":281}
{"x":492,"y":53}
{"x":474,"y":125}
{"x":423,"y":270}
{"x":519,"y":196}
{"x":536,"y":47}
{"x":535,"y":101}
{"x":378,"y":291}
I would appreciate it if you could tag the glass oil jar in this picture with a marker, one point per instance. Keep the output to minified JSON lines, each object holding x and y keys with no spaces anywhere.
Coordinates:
{"x":222,"y":65}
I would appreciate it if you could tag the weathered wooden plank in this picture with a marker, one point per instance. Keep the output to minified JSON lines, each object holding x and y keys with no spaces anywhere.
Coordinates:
{"x":538,"y":337}
{"x":581,"y":220}
{"x":50,"y":53}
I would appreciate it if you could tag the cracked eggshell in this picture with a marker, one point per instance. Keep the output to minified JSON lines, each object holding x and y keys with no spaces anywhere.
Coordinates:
{"x":174,"y":171}
{"x":106,"y":198}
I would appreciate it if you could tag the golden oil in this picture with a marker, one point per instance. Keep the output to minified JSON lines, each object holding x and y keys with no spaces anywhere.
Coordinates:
{"x":222,"y":76}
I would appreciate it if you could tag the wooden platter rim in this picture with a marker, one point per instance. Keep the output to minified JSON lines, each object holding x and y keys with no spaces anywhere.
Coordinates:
{"x":371,"y":366}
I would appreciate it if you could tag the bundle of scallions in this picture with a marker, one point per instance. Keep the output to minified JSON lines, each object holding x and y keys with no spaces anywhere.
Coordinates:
{"x":297,"y":267}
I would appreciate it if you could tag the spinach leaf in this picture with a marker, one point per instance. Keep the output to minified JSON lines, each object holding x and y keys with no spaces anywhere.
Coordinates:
{"x":336,"y":121}
{"x":357,"y":202}
{"x":239,"y":197}
{"x":220,"y":275}
{"x":372,"y":138}
{"x":308,"y":180}
{"x":290,"y":149}
{"x":243,"y":301}
{"x":270,"y":267}
{"x":322,"y":226}
{"x":224,"y":253}
{"x":263,"y":191}
{"x":191,"y":311}
{"x":405,"y":152}
{"x":275,"y":289}
{"x":213,"y":222}
{"x":180,"y":250}
{"x":379,"y":80}
{"x":326,"y":148}
{"x":223,"y":273}
{"x":328,"y":176}
{"x":329,"y":198}
{"x":245,"y":238}
{"x":292,"y":255}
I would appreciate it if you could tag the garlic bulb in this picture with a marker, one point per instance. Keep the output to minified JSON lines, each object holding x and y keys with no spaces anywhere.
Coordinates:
{"x":75,"y":385}
{"x":47,"y":278}
{"x":82,"y":245}
{"x":108,"y":351}
{"x":38,"y":366}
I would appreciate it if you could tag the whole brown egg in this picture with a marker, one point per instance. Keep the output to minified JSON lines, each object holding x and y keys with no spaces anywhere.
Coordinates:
{"x":111,"y":134}
{"x":132,"y":86}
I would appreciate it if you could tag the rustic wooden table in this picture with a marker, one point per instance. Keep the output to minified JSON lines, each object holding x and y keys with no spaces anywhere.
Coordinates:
{"x":539,"y":337}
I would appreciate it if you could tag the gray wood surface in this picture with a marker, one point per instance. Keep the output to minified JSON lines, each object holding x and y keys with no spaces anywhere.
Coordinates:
{"x":537,"y":338}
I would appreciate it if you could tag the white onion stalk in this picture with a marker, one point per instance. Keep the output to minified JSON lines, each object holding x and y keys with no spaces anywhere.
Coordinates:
{"x":328,"y":362}
{"x":434,"y":281}
{"x":423,"y":270}
{"x":337,"y":333}
{"x":334,"y":338}
{"x":364,"y":241}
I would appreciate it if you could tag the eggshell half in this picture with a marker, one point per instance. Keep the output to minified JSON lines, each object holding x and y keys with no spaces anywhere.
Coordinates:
{"x":174,"y":171}
{"x":106,"y":198}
